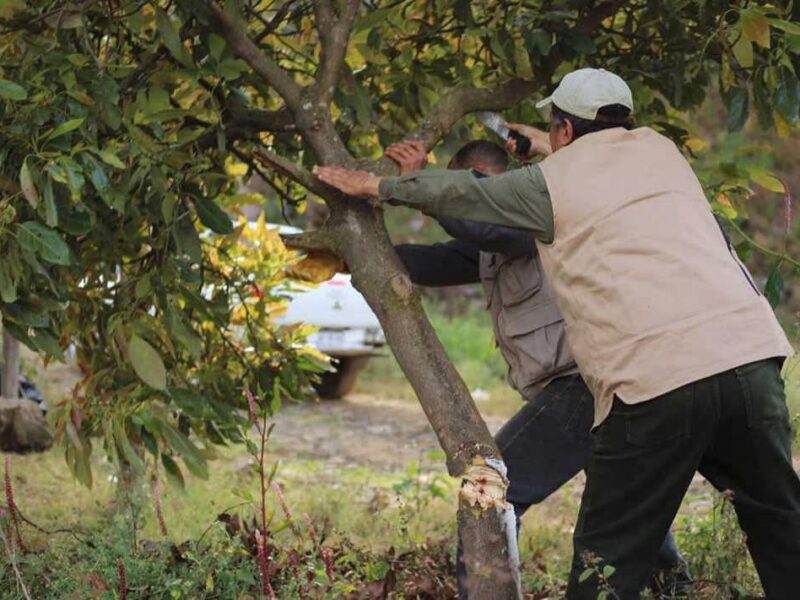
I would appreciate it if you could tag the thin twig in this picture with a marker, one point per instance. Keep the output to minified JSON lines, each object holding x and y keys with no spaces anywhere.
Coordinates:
{"x":12,"y":558}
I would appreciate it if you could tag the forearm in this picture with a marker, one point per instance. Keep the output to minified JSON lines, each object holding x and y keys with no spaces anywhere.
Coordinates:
{"x":490,"y":238}
{"x":516,"y":199}
{"x":440,"y":265}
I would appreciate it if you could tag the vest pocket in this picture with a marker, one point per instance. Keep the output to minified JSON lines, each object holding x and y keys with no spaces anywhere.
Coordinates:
{"x":534,"y":343}
{"x":518,"y":279}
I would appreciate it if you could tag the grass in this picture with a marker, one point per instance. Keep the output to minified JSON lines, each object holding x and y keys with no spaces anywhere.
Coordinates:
{"x":387,"y":513}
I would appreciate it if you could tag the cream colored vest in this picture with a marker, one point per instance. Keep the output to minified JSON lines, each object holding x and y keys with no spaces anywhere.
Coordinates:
{"x":652,"y":295}
{"x":528,"y":326}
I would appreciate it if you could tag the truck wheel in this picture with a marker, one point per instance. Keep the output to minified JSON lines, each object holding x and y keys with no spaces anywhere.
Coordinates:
{"x":339,"y":383}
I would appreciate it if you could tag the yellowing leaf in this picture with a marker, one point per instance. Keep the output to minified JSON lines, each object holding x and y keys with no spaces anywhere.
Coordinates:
{"x":767,"y":180}
{"x":755,"y":27}
{"x":696,"y":144}
{"x":147,"y":363}
{"x":235,"y":169}
{"x":318,"y":266}
{"x":782,"y":126}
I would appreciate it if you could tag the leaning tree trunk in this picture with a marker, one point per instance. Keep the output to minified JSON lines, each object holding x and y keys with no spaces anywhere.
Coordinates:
{"x":356,"y":232}
{"x":10,"y":372}
{"x":486,"y":525}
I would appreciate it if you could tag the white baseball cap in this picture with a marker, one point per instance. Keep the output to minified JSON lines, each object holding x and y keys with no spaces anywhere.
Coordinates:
{"x":582,"y":92}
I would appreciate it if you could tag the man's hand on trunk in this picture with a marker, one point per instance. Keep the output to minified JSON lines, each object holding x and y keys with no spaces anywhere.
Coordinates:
{"x":353,"y":183}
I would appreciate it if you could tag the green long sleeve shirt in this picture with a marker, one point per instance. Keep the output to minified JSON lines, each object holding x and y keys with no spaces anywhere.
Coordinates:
{"x":517,"y":199}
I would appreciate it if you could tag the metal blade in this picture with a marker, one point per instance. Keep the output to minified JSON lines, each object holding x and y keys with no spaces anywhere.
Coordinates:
{"x":494,"y":122}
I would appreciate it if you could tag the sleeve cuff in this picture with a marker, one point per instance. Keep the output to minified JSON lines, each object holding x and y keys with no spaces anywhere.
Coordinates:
{"x":386,"y":188}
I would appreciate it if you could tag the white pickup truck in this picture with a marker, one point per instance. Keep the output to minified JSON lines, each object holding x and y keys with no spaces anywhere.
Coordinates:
{"x":349,"y":331}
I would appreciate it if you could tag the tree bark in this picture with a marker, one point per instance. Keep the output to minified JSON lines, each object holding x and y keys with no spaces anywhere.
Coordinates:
{"x":10,"y":373}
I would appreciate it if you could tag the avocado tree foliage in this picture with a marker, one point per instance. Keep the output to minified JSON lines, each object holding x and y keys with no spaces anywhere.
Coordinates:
{"x":124,"y":126}
{"x":113,"y":244}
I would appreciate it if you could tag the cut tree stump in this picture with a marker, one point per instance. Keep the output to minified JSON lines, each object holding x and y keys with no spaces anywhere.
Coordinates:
{"x":23,"y":427}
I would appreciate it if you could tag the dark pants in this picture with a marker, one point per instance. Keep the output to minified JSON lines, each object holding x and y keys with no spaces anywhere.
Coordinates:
{"x":546,"y":444}
{"x":734,"y":428}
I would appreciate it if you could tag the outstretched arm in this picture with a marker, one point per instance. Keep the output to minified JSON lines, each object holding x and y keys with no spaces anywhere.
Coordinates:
{"x":490,"y":238}
{"x":517,"y":199}
{"x":439,"y":265}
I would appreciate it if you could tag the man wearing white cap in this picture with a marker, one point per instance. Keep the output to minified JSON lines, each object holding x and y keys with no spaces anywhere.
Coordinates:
{"x":680,"y":349}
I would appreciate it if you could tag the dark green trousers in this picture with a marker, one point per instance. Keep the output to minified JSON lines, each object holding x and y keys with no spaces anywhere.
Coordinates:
{"x":734,"y":428}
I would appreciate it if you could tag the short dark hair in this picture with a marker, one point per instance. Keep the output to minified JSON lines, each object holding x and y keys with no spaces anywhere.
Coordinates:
{"x":480,"y":151}
{"x":608,"y":117}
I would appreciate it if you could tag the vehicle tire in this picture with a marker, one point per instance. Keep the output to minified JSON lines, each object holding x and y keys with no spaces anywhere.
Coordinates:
{"x":336,"y":384}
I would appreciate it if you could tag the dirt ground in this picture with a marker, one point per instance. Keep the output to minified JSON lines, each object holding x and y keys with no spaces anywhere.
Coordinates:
{"x":360,"y":430}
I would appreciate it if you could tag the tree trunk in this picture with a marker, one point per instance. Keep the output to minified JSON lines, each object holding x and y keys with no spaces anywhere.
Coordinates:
{"x":487,"y":534}
{"x":10,"y":373}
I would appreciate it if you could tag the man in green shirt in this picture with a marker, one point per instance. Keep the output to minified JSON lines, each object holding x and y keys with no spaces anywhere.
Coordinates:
{"x":680,"y":349}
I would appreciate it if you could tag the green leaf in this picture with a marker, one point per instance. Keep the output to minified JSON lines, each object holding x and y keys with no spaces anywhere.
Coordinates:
{"x":147,"y":363}
{"x":8,"y":286}
{"x":187,"y":239}
{"x":171,"y":37}
{"x":773,"y":290}
{"x":585,"y":575}
{"x":763,"y":103}
{"x":43,"y":242}
{"x":46,"y":342}
{"x":65,"y":127}
{"x":125,"y":449}
{"x":232,"y":68}
{"x":9,"y":8}
{"x":608,"y":571}
{"x":191,"y":456}
{"x":111,"y":159}
{"x":27,"y":185}
{"x":737,"y":102}
{"x":755,"y":27}
{"x":787,"y":94}
{"x":787,"y":26}
{"x":174,"y":475}
{"x":26,"y":316}
{"x":183,"y":333}
{"x":73,"y":219}
{"x":216,"y":46}
{"x":50,"y":208}
{"x":212,"y":216}
{"x":743,"y":51}
{"x":12,"y":91}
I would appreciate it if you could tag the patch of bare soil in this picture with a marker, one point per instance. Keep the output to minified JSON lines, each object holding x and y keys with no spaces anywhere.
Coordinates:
{"x":358,"y":431}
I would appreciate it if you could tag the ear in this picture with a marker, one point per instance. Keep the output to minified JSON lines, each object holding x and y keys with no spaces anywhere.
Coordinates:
{"x":569,"y":132}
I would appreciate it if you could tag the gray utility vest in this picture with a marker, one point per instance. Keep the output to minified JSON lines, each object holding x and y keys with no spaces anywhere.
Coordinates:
{"x":528,"y":326}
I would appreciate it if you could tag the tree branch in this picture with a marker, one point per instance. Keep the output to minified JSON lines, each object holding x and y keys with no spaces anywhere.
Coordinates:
{"x":247,"y":50}
{"x":335,"y":37}
{"x":453,"y":106}
{"x":310,"y":240}
{"x":273,"y":162}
